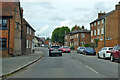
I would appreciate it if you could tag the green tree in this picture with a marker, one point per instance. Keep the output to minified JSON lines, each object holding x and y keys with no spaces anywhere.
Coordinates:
{"x":59,"y":34}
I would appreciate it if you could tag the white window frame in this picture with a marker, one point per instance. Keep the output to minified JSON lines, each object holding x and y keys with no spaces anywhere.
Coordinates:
{"x":30,"y":31}
{"x":98,"y":22}
{"x":102,"y":32}
{"x":102,"y":21}
{"x":27,"y":43}
{"x":98,"y":32}
{"x":82,"y":35}
{"x":27,"y":30}
{"x":91,"y":33}
{"x":94,"y":32}
{"x":95,"y":24}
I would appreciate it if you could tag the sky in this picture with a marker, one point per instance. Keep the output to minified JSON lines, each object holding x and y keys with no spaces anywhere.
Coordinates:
{"x":46,"y":15}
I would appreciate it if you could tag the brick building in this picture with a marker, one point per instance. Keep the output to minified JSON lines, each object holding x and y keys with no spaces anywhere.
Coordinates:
{"x":28,"y":37}
{"x":77,"y":38}
{"x":106,"y":28}
{"x":10,"y":27}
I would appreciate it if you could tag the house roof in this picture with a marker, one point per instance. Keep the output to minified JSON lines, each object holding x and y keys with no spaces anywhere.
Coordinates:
{"x":79,"y":31}
{"x":102,"y":17}
{"x":8,"y":7}
{"x":28,"y":24}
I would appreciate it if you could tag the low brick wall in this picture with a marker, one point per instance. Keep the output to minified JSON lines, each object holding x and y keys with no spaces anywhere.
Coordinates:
{"x":109,"y":43}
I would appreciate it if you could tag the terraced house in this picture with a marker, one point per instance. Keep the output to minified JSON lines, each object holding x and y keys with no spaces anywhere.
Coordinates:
{"x":11,"y":28}
{"x":77,"y":38}
{"x":106,"y":28}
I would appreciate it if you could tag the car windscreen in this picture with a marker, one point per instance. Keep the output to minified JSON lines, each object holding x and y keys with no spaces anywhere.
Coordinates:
{"x":110,"y":48}
{"x":89,"y":48}
{"x":65,"y":47}
{"x":82,"y":48}
{"x":55,"y":47}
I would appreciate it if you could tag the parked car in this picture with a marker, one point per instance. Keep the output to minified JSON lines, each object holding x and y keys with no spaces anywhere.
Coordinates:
{"x":81,"y":50}
{"x":105,"y":52}
{"x":89,"y":50}
{"x":115,"y":53}
{"x":55,"y":49}
{"x":66,"y":49}
{"x":78,"y":49}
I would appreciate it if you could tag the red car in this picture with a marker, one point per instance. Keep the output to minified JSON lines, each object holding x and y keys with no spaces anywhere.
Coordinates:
{"x":65,"y":49}
{"x":115,"y":53}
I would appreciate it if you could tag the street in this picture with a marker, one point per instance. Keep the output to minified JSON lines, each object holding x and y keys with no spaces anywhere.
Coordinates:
{"x":70,"y":65}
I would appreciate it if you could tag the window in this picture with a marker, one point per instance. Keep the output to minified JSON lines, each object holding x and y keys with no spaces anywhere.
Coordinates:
{"x":95,"y":32}
{"x":27,"y":43}
{"x":27,"y":30}
{"x":102,"y":31}
{"x":98,"y":31}
{"x":95,"y":24}
{"x":102,"y":21}
{"x":82,"y":35}
{"x":92,"y":41}
{"x":101,"y":39}
{"x":98,"y":22}
{"x":3,"y":23}
{"x":17,"y":26}
{"x":3,"y":43}
{"x":91,"y":25}
{"x":82,"y":43}
{"x":30,"y":31}
{"x":77,"y":35}
{"x":91,"y":33}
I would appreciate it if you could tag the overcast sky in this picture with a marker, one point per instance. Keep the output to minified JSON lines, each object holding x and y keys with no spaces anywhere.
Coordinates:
{"x":45,"y":16}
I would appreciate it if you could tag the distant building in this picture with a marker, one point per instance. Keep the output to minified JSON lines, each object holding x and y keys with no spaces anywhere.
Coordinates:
{"x":106,"y":28}
{"x":77,"y":38}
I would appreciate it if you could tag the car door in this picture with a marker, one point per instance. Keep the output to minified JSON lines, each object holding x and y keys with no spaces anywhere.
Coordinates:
{"x":100,"y":53}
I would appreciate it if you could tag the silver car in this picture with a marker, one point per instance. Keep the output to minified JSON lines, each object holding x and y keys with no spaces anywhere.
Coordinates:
{"x":81,"y":50}
{"x":55,"y":50}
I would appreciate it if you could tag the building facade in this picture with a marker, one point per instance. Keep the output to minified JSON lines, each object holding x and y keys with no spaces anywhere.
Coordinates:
{"x":106,"y":28}
{"x":106,"y":25}
{"x":11,"y":28}
{"x":77,"y":38}
{"x":28,"y":37}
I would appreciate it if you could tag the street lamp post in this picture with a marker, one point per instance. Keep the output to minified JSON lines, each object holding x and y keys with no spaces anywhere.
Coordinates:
{"x":104,"y":32}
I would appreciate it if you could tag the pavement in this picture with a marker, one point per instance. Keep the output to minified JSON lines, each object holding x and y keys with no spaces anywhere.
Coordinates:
{"x":70,"y":65}
{"x":14,"y":64}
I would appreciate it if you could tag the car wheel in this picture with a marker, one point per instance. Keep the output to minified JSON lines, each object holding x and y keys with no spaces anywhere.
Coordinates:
{"x":98,"y":55}
{"x":60,"y":55}
{"x":112,"y":58}
{"x":104,"y":56}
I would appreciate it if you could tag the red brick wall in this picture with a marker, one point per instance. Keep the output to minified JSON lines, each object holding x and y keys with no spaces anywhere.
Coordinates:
{"x":109,"y":43}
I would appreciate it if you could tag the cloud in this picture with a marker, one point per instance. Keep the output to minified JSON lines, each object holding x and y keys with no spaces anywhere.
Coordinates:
{"x":56,"y":18}
{"x":82,"y":9}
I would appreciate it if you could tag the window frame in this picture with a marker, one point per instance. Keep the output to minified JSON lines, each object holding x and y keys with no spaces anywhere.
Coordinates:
{"x":2,"y":23}
{"x":1,"y":41}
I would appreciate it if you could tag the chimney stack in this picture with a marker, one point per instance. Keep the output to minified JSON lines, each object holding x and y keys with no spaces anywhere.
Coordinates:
{"x":101,"y":14}
{"x":117,"y":7}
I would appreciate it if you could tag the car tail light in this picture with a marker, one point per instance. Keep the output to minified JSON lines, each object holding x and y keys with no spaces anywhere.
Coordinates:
{"x":107,"y":51}
{"x":51,"y":49}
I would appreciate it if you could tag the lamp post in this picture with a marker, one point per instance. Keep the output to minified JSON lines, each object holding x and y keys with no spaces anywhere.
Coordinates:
{"x":104,"y":32}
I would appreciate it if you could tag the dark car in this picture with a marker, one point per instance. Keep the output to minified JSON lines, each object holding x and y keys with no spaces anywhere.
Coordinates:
{"x":55,"y":50}
{"x":66,"y":49}
{"x":115,"y":53}
{"x":89,"y":50}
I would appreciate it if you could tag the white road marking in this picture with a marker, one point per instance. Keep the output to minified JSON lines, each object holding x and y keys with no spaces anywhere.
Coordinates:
{"x":92,"y":69}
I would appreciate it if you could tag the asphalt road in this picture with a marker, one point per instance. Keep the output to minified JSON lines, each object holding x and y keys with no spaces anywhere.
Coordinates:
{"x":70,"y":65}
